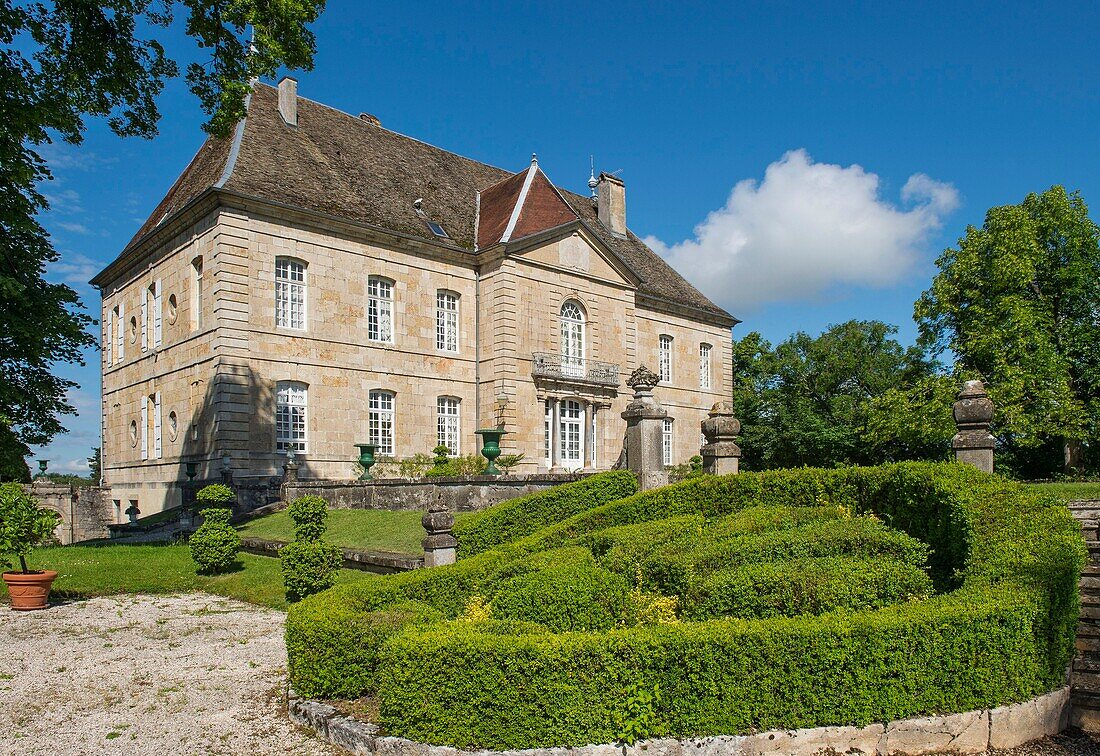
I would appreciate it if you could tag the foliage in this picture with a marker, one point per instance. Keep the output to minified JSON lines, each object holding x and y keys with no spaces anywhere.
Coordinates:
{"x":1016,"y":303}
{"x":639,"y":719}
{"x":470,"y":464}
{"x":23,"y":524}
{"x":61,"y":63}
{"x":13,"y":456}
{"x":95,"y":464}
{"x":572,"y":596}
{"x":68,"y":479}
{"x":1005,"y":560}
{"x":309,"y":563}
{"x":690,"y":469}
{"x":524,"y":515}
{"x":808,"y":401}
{"x":215,"y":495}
{"x":214,"y":544}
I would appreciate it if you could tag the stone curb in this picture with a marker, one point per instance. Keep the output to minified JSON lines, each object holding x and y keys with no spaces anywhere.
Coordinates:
{"x":380,"y":562}
{"x":970,"y":732}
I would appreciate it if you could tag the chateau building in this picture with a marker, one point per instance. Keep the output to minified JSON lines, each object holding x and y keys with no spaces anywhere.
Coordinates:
{"x":316,"y":281}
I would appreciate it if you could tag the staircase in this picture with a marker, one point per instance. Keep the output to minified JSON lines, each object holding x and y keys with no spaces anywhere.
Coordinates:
{"x":1085,"y":675}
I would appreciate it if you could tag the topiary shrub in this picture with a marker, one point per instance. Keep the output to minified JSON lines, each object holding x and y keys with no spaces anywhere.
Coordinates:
{"x":214,"y":545}
{"x":575,"y":596}
{"x":309,"y":563}
{"x":215,"y":495}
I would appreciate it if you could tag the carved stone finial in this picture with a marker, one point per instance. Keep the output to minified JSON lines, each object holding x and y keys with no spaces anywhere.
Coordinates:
{"x":643,"y":379}
{"x":973,"y":411}
{"x":439,"y":545}
{"x":721,"y":454}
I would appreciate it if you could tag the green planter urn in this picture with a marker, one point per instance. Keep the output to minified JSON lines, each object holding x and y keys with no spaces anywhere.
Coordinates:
{"x":366,"y":459}
{"x":490,"y":447}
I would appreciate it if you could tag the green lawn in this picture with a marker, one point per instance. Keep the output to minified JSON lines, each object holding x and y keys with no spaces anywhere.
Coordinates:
{"x":1072,"y":491}
{"x":366,"y":529}
{"x":87,"y":571}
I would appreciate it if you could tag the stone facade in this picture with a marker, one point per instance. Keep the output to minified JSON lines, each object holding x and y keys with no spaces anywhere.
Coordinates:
{"x":208,"y":391}
{"x":86,"y":512}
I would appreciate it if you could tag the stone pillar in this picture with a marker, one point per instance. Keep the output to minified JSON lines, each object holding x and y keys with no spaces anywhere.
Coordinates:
{"x":290,"y":477}
{"x":721,"y":454}
{"x":439,"y":546}
{"x":644,"y":426}
{"x":589,"y":436}
{"x":555,"y":435}
{"x":973,"y":444}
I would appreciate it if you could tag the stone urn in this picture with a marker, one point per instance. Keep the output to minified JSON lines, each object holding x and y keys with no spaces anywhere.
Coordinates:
{"x":490,"y":447}
{"x":366,"y":459}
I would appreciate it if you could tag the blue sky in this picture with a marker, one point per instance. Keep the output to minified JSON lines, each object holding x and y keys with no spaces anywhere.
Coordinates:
{"x":804,"y":164}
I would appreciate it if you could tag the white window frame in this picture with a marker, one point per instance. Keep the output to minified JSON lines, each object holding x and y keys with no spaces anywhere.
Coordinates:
{"x":158,"y":315}
{"x":446,"y":321}
{"x":290,"y":293}
{"x":144,"y":427}
{"x":572,"y":326}
{"x":158,"y":446}
{"x":666,"y":441}
{"x":120,"y":332}
{"x":548,"y":432}
{"x":145,"y":321}
{"x":664,"y":357}
{"x":380,"y":310}
{"x":381,"y":421}
{"x":449,"y":424}
{"x":292,"y":416}
{"x":109,"y":337}
{"x":196,"y":294}
{"x":704,"y":366}
{"x":571,"y":433}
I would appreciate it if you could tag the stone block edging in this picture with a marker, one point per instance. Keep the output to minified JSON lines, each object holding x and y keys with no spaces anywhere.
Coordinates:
{"x":969,"y":732}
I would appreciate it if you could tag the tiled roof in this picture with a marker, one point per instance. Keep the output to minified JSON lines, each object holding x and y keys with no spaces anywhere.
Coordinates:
{"x":353,"y":168}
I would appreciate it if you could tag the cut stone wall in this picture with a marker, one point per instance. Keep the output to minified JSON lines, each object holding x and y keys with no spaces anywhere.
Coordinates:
{"x":86,"y":512}
{"x":969,"y":732}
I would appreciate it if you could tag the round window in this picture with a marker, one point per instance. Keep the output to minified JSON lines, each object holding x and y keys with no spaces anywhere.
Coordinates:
{"x":133,"y":433}
{"x":172,"y":309}
{"x":173,"y":426}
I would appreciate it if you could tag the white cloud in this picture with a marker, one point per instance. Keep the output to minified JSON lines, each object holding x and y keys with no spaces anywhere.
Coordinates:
{"x":808,"y":227}
{"x":75,"y":269}
{"x":65,"y":202}
{"x":66,"y":156}
{"x":76,"y":228}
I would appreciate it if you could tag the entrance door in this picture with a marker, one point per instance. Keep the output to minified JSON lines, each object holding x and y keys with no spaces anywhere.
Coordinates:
{"x":571,"y":434}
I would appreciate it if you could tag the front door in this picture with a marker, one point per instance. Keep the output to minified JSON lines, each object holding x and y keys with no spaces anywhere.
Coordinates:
{"x":571,"y":434}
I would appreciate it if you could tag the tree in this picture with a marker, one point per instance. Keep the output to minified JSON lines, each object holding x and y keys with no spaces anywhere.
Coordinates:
{"x":809,"y":401}
{"x":95,"y":464}
{"x":1018,"y":303}
{"x":59,"y":63}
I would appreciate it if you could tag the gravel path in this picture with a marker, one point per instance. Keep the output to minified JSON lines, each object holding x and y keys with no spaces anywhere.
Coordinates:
{"x":161,"y":675}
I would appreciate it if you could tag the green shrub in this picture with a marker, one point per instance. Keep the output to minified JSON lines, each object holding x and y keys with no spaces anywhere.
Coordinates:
{"x":23,"y":524}
{"x":215,"y":495}
{"x":214,"y":545}
{"x":1005,"y":561}
{"x":805,"y":586}
{"x":308,"y":513}
{"x":578,"y":596}
{"x":309,"y":567}
{"x":471,"y":464}
{"x":513,"y":519}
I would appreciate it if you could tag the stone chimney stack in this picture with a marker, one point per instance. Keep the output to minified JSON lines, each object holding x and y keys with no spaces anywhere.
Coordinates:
{"x":611,"y":203}
{"x":288,"y":100}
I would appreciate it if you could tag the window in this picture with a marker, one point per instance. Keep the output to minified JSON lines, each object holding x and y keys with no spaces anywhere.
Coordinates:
{"x":665,"y":358}
{"x":196,"y":293}
{"x":380,"y":310}
{"x":704,"y":366}
{"x":437,"y":230}
{"x":448,"y":422}
{"x":118,"y":510}
{"x":109,"y":337}
{"x":120,"y":332}
{"x":151,"y":427}
{"x":446,"y":321}
{"x":290,"y":293}
{"x":666,"y":441}
{"x":571,"y":434}
{"x":548,"y":427}
{"x":380,"y":422}
{"x":572,"y":339}
{"x":291,"y":403}
{"x":150,"y":317}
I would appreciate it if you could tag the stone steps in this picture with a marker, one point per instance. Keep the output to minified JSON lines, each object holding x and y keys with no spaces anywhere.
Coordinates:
{"x":1085,"y":670}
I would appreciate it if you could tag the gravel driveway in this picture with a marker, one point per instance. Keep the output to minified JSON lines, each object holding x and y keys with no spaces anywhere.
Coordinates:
{"x":192,"y":674}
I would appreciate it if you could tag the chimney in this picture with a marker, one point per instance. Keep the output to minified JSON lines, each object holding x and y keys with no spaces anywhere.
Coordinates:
{"x":288,"y":100}
{"x":611,"y":203}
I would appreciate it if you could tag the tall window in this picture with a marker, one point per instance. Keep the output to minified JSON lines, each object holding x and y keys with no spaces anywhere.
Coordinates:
{"x":548,"y":427}
{"x":291,"y":407}
{"x":290,"y":293}
{"x":109,"y":336}
{"x":571,"y":434}
{"x":665,"y":358}
{"x":380,"y":422}
{"x":666,"y":441}
{"x":196,"y":293}
{"x":380,"y":310}
{"x":446,"y":321}
{"x":120,"y":332}
{"x":572,"y":339}
{"x":448,"y":423}
{"x":704,"y":366}
{"x":150,"y":427}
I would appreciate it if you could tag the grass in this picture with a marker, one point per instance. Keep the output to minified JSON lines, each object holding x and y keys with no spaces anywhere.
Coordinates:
{"x":88,"y":571}
{"x":1072,"y":491}
{"x":366,"y":529}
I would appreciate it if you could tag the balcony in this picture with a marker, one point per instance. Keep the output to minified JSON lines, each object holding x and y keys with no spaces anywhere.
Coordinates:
{"x":558,"y":367}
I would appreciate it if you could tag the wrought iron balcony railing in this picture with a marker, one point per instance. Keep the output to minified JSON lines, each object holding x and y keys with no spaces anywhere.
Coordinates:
{"x":561,"y":367}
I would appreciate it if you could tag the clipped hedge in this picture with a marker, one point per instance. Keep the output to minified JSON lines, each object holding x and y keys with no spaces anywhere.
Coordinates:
{"x":513,"y":519}
{"x":1004,"y":559}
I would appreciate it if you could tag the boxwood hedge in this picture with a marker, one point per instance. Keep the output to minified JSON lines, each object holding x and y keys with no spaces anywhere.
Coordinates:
{"x":1004,"y":561}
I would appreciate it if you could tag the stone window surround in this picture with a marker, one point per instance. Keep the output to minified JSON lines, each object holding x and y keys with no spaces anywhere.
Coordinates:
{"x":664,"y":357}
{"x":293,"y":280}
{"x":291,"y":416}
{"x":380,"y":292}
{"x":377,"y":414}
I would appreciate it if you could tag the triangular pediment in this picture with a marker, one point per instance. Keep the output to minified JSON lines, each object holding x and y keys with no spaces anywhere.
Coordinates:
{"x":570,"y":247}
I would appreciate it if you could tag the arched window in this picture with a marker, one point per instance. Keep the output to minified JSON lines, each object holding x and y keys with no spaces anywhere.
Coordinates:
{"x":291,"y":407}
{"x":448,"y":423}
{"x":446,"y":321}
{"x":380,"y":421}
{"x":665,"y":358}
{"x":571,"y":319}
{"x":290,"y":293}
{"x":380,"y":310}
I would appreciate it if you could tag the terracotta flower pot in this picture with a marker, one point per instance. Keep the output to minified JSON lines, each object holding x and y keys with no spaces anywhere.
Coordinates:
{"x":29,"y":591}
